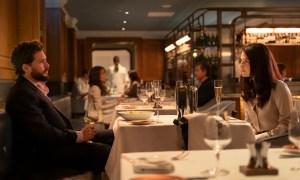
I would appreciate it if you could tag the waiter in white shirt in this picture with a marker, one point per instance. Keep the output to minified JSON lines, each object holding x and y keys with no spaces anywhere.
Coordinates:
{"x":117,"y":77}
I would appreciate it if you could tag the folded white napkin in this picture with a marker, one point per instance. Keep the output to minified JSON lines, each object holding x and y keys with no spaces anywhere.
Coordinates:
{"x":145,"y":165}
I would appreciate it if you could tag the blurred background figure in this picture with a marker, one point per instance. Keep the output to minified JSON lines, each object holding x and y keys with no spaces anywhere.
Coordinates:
{"x":206,"y":91}
{"x":80,"y":90}
{"x":282,"y":70}
{"x":96,"y":96}
{"x":117,"y":77}
{"x":135,"y":79}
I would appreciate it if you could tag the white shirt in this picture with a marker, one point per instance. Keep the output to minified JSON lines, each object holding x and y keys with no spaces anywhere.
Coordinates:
{"x":117,"y":80}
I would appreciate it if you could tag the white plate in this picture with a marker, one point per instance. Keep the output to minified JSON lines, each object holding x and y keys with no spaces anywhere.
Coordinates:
{"x":141,"y":122}
{"x":136,"y":115}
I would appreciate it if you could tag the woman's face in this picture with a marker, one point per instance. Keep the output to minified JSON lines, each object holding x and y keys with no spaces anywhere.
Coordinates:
{"x":245,"y":65}
{"x":102,"y":75}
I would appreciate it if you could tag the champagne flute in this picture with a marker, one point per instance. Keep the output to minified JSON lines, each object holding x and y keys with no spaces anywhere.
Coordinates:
{"x":294,"y":132}
{"x":90,"y":118}
{"x":149,"y":89}
{"x":157,"y":84}
{"x":216,"y":135}
{"x":218,"y":84}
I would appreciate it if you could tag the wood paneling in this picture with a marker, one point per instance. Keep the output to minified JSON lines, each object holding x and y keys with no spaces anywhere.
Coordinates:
{"x":19,"y":21}
{"x":152,"y":64}
{"x":290,"y":56}
{"x":149,"y":55}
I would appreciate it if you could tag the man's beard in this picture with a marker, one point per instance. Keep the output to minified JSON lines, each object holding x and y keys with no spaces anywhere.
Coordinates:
{"x":39,"y":76}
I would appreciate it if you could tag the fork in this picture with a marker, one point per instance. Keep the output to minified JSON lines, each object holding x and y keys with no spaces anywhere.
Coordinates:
{"x":180,"y":156}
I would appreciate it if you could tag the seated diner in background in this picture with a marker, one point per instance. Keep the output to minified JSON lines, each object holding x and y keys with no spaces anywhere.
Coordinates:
{"x":206,"y":90}
{"x":267,"y":99}
{"x":96,"y":100}
{"x":42,"y":137}
{"x":135,"y":79}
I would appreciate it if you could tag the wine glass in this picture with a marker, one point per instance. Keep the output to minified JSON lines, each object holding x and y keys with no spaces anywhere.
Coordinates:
{"x":91,"y":116}
{"x":218,"y":84}
{"x":163,"y":94}
{"x":149,"y":89}
{"x":157,"y":84}
{"x":216,"y":135}
{"x":294,"y":131}
{"x":142,"y":95}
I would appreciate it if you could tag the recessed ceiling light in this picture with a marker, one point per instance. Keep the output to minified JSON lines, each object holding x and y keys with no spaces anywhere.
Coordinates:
{"x":126,"y":12}
{"x":166,"y":5}
{"x":123,"y":29}
{"x":124,"y":22}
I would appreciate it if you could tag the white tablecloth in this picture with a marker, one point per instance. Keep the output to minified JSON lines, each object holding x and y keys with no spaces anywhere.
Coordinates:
{"x":198,"y":161}
{"x":163,"y":136}
{"x":241,"y":133}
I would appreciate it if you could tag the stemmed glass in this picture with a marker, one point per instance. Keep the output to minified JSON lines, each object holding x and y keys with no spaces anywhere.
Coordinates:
{"x":216,"y":135}
{"x":163,"y":94}
{"x":157,"y":88}
{"x":294,"y":131}
{"x":141,"y":93}
{"x":91,"y":116}
{"x":149,"y":89}
{"x":218,"y":84}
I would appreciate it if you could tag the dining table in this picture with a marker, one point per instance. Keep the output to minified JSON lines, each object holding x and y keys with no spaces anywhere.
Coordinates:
{"x":162,"y":136}
{"x":192,"y":166}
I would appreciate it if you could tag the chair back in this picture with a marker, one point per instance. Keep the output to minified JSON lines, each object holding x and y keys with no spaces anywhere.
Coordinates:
{"x":5,"y":144}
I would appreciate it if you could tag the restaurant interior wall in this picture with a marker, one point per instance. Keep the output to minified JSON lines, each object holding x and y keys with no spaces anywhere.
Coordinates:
{"x":19,"y":21}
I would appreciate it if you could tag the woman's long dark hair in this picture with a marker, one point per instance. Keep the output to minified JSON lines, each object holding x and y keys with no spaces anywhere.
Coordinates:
{"x":133,"y":76}
{"x":94,"y":79}
{"x":263,"y":74}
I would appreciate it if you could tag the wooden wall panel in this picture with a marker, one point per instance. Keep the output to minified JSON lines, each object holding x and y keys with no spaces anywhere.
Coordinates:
{"x":55,"y":43}
{"x":28,"y":18}
{"x":7,"y":38}
{"x":290,"y":56}
{"x":149,"y":55}
{"x":152,"y":64}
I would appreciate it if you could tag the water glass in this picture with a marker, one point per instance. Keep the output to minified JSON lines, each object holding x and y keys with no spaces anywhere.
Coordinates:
{"x":217,"y":135}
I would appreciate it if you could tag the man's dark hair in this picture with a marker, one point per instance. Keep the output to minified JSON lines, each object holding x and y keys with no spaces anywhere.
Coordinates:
{"x":204,"y":66}
{"x":23,"y":53}
{"x":116,"y":59}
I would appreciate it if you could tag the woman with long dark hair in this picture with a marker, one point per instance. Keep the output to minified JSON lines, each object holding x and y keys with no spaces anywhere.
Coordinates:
{"x":134,"y":81}
{"x":96,"y":101}
{"x":268,"y":101}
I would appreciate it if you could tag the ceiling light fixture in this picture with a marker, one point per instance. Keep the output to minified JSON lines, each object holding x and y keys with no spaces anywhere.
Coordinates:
{"x":126,"y":12}
{"x":170,"y":47}
{"x":166,"y":5}
{"x":182,"y":40}
{"x":124,"y":22}
{"x":123,"y":29}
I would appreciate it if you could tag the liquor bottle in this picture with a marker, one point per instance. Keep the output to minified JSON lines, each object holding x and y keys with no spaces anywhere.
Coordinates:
{"x":182,"y":100}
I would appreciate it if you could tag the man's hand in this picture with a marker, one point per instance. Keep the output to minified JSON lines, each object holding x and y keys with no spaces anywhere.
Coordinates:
{"x":88,"y":133}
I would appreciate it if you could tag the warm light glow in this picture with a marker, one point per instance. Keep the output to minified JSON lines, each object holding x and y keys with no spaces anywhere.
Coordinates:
{"x":195,"y":54}
{"x":259,"y":30}
{"x":287,"y":30}
{"x":126,"y":12}
{"x":124,"y":22}
{"x":170,"y":47}
{"x":273,"y":30}
{"x":182,"y":40}
{"x":123,"y":29}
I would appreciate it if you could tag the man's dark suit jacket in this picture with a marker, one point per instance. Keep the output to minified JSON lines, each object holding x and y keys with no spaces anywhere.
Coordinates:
{"x":206,"y":91}
{"x":36,"y":122}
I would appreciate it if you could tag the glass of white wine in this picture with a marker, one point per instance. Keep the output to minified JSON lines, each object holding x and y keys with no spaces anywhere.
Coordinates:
{"x":217,"y":135}
{"x":218,"y":85}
